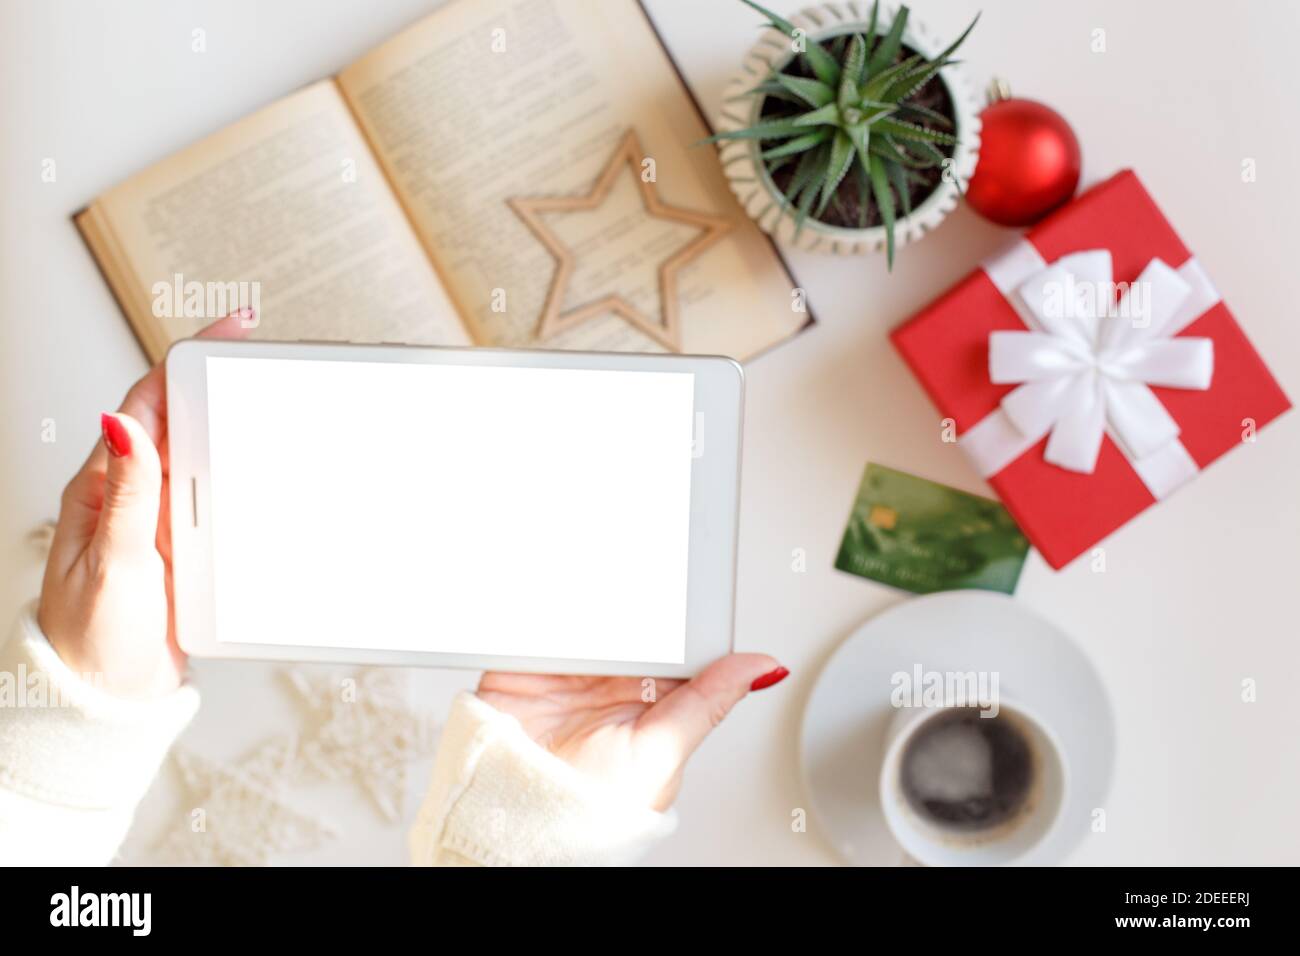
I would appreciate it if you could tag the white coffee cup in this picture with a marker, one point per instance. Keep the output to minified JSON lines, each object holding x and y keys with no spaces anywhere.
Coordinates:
{"x":936,"y":844}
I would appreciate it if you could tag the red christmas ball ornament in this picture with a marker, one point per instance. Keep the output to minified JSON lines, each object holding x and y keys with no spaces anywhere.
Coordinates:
{"x":1029,"y":161}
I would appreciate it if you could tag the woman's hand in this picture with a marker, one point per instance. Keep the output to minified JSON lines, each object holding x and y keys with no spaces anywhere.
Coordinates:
{"x":634,"y":735}
{"x":106,"y":602}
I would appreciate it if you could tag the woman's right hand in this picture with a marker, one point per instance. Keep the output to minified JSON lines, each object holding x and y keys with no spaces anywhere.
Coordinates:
{"x":632,"y":734}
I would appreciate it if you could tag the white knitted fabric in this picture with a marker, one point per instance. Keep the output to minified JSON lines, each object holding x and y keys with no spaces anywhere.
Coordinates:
{"x":74,"y":760}
{"x":72,"y":774}
{"x":498,"y":799}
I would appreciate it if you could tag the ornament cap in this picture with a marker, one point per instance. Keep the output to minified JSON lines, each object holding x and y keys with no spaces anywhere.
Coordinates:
{"x":998,"y":90}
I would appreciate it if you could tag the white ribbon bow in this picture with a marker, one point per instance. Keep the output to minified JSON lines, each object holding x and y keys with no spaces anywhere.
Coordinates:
{"x":1090,"y":361}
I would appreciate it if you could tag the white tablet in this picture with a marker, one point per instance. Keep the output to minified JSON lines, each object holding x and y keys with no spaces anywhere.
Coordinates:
{"x":561,"y":512}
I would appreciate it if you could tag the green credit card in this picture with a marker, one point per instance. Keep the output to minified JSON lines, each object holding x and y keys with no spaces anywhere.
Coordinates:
{"x":922,"y":536}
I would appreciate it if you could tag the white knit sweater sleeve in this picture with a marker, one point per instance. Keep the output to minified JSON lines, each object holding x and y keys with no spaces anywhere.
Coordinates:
{"x":499,"y":799}
{"x":74,"y":760}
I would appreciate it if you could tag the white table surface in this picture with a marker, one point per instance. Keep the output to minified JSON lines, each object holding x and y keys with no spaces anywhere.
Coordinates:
{"x":1199,"y":593}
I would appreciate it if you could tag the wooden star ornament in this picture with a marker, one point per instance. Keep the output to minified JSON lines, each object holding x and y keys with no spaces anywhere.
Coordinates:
{"x":667,"y":329}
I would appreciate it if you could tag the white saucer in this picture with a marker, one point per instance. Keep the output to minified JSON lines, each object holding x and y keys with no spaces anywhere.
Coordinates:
{"x":841,"y":741}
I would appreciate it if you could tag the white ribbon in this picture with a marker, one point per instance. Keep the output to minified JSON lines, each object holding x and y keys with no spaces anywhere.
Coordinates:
{"x":1086,"y":363}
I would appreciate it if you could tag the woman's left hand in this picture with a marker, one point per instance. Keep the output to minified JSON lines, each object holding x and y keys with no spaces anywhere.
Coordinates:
{"x":106,"y":601}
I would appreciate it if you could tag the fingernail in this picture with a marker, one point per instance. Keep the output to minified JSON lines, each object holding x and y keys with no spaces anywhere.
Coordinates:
{"x":246,"y":312}
{"x":116,"y":437}
{"x":770,"y":678}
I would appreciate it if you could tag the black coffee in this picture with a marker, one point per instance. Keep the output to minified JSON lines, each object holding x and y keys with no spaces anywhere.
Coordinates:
{"x":968,"y":772}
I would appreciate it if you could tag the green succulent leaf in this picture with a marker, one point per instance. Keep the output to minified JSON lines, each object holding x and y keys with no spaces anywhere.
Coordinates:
{"x":930,"y":151}
{"x":867,"y":112}
{"x":828,"y":115}
{"x":775,"y":19}
{"x":939,"y":159}
{"x":952,"y":47}
{"x":805,"y":204}
{"x":771,"y":88}
{"x":851,"y":74}
{"x":841,"y":158}
{"x":824,"y":66}
{"x":885,"y":203}
{"x":921,"y":77}
{"x":913,"y":80}
{"x":860,"y":135}
{"x":799,"y":144}
{"x":772,"y":129}
{"x":810,"y":164}
{"x":923,"y":152}
{"x":813,"y":92}
{"x":871,"y":34}
{"x":910,"y":131}
{"x":779,"y":163}
{"x":879,"y":83}
{"x":917,"y":111}
{"x":898,"y":179}
{"x":893,"y":42}
{"x":863,"y":179}
{"x":873,"y":110}
{"x":893,"y":152}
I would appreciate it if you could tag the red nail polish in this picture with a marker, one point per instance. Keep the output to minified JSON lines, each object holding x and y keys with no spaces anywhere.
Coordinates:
{"x":770,"y":678}
{"x":116,"y":437}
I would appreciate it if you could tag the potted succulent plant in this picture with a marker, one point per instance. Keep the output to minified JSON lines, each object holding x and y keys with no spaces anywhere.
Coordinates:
{"x":848,"y":134}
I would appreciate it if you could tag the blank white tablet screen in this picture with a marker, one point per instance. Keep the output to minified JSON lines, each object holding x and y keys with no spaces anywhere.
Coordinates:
{"x":452,"y":508}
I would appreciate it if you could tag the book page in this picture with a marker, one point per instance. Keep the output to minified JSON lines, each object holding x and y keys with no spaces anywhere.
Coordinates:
{"x":286,"y":210}
{"x":496,"y":100}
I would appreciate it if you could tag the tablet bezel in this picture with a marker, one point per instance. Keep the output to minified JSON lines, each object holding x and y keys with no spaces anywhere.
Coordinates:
{"x":715,"y":485}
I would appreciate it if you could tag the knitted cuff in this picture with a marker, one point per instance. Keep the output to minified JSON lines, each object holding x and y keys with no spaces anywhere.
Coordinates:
{"x":65,"y":741}
{"x":497,"y":798}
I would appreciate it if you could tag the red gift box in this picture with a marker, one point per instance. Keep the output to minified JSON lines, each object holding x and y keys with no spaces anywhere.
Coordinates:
{"x":1064,"y":512}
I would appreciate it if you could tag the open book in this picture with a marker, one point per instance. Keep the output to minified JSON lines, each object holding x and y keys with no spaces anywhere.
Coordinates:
{"x":378,"y":205}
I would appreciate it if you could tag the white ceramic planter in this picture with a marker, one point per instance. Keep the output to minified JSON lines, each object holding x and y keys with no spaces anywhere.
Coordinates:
{"x":748,"y":176}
